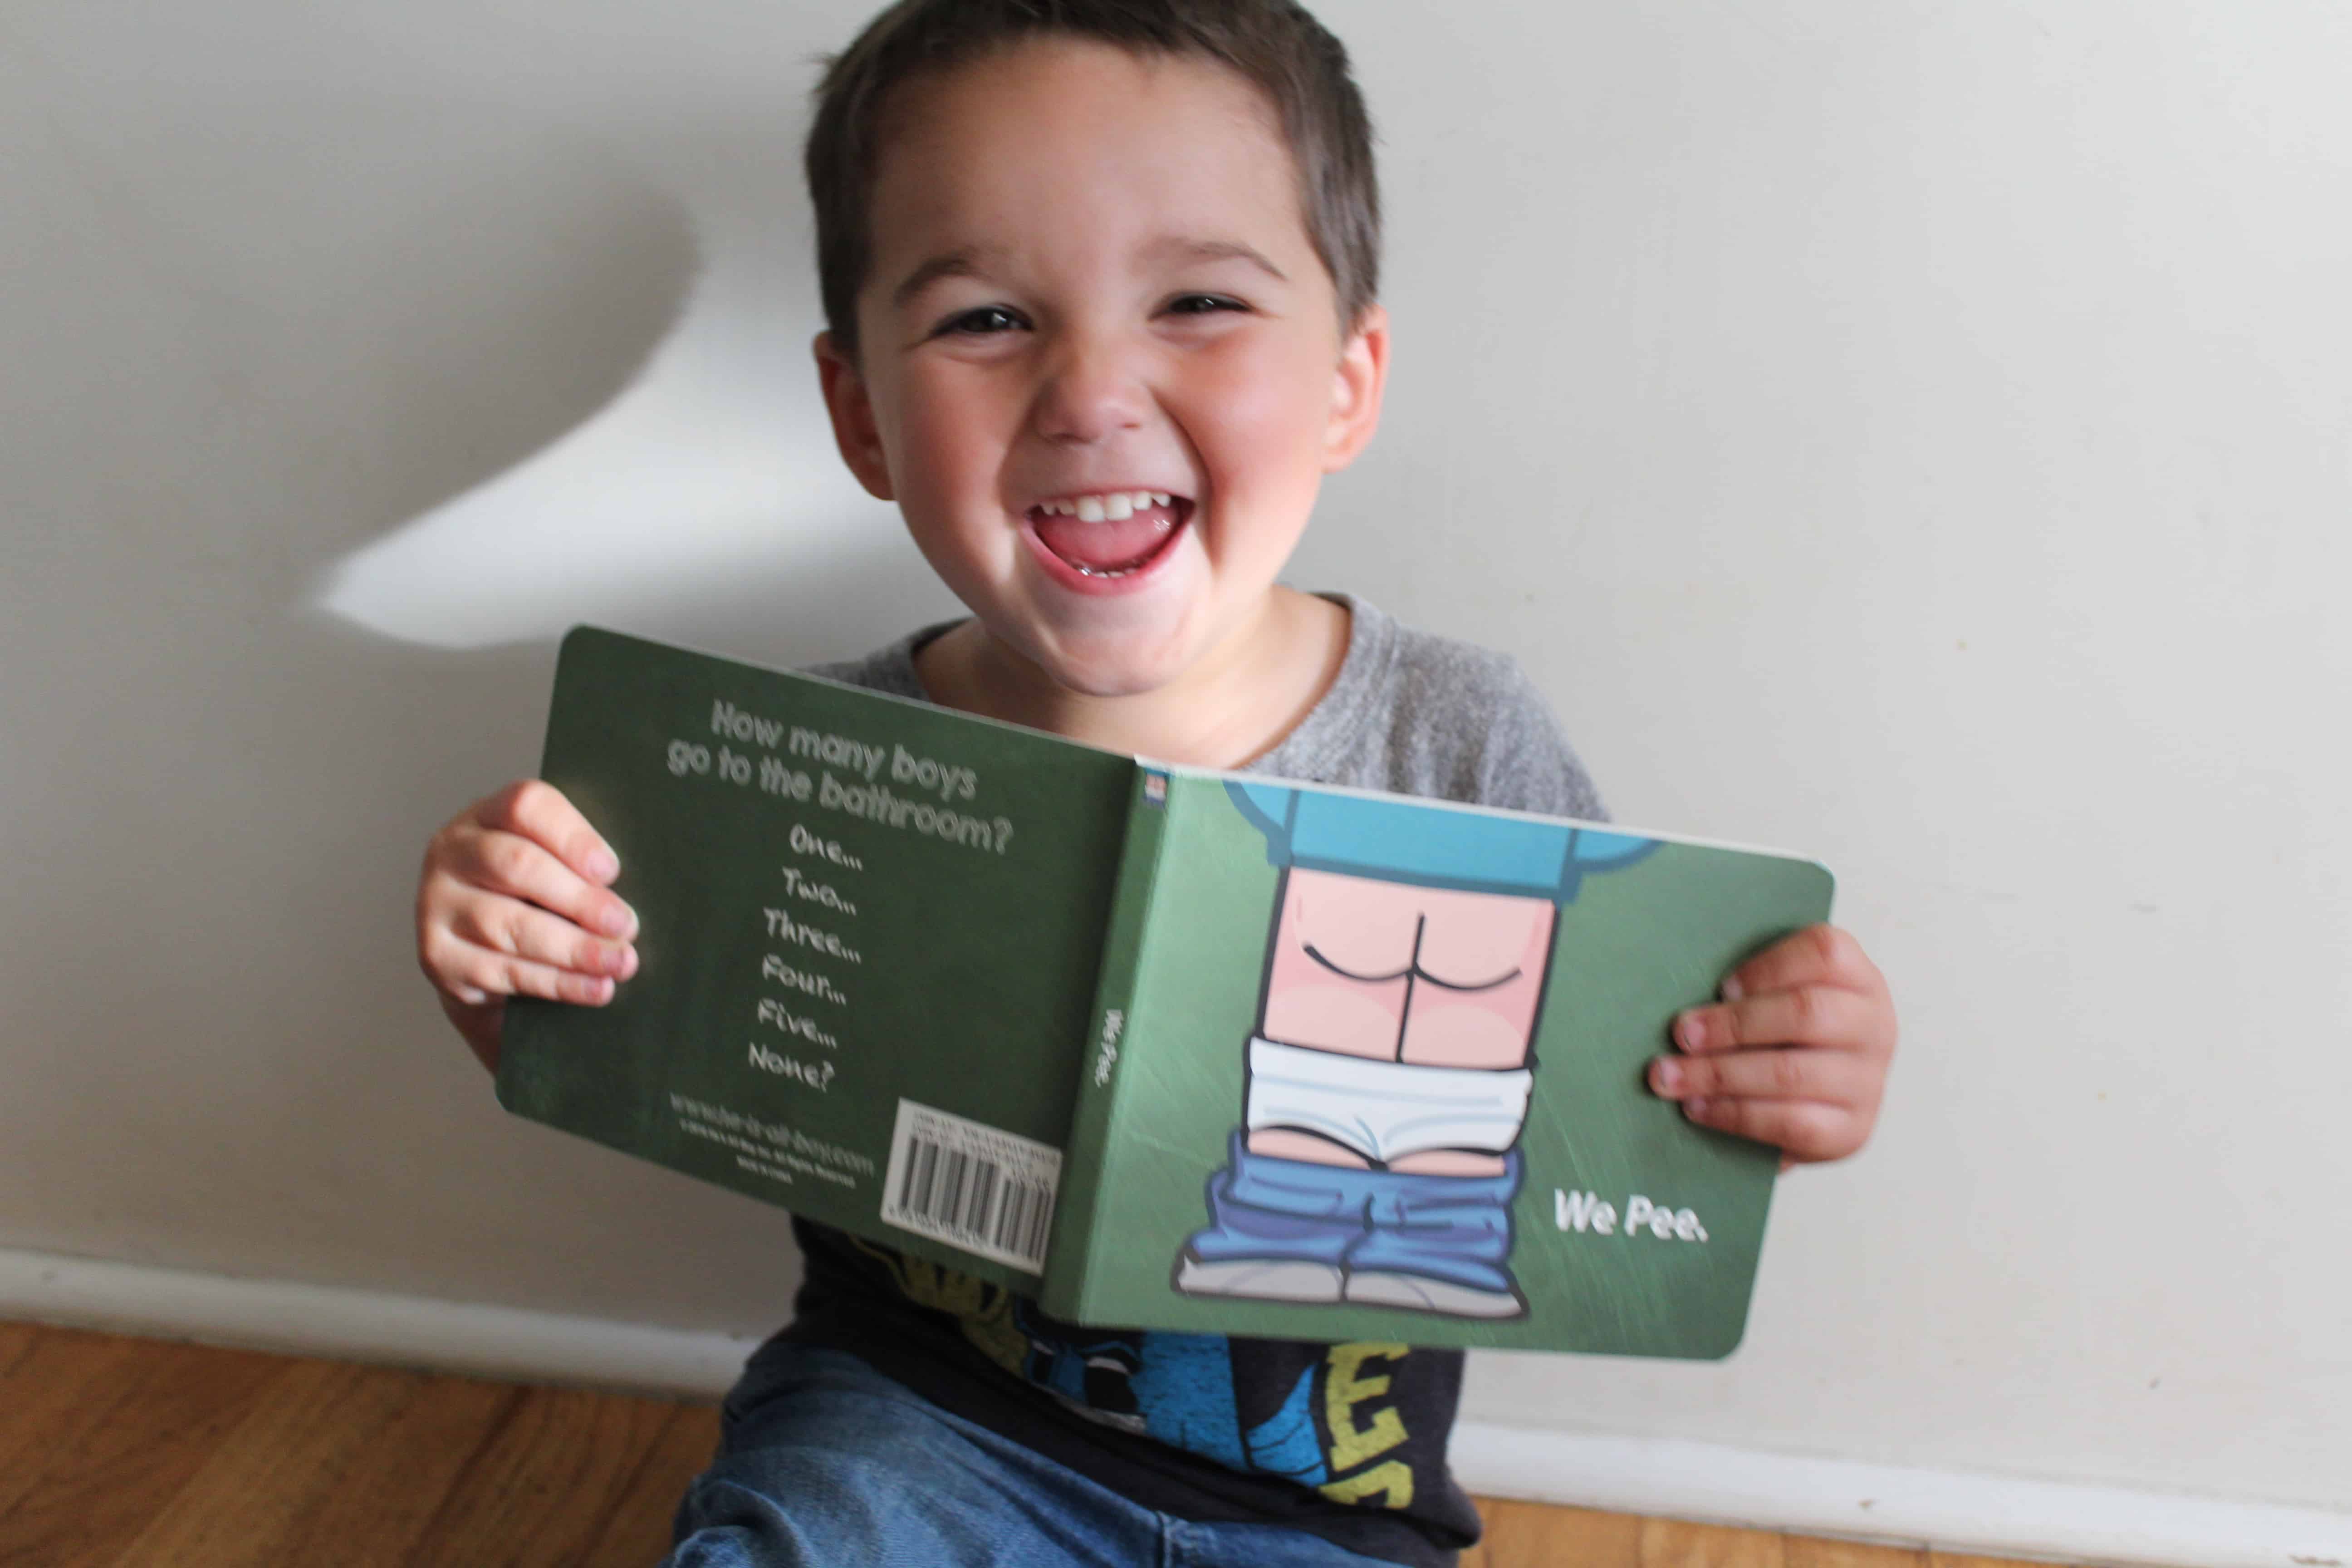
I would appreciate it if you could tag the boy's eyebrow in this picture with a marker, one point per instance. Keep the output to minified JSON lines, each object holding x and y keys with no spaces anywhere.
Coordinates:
{"x":965,"y":261}
{"x":1217,"y":250}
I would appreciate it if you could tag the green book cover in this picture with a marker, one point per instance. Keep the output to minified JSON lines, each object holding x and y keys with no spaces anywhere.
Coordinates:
{"x":1170,"y":1049}
{"x":870,"y":930}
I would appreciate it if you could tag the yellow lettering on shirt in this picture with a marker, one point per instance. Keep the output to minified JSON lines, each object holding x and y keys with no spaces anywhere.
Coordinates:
{"x":1344,"y":1388}
{"x":1394,"y":1478}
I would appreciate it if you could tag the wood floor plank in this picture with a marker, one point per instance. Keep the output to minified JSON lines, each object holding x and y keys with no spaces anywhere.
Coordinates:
{"x":1671,"y":1543}
{"x":16,"y":1344}
{"x":1804,"y":1551}
{"x":1538,"y":1535}
{"x":639,"y":1530}
{"x":543,"y":1491}
{"x":386,"y":1505}
{"x":107,"y":1481}
{"x":64,"y":1386}
{"x":313,"y":1429}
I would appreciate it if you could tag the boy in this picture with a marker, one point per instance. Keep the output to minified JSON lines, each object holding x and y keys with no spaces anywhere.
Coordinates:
{"x":1099,"y":278}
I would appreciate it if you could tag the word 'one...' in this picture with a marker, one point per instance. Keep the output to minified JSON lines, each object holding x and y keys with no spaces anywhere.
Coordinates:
{"x":807,"y":842}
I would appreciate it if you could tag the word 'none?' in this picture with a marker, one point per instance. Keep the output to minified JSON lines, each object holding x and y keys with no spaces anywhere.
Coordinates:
{"x":816,"y":1075}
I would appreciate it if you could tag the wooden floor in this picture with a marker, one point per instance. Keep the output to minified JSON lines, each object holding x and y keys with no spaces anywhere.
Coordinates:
{"x":125,"y":1453}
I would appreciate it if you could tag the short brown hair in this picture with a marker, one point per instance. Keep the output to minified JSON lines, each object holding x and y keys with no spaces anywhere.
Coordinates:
{"x":1300,"y":65}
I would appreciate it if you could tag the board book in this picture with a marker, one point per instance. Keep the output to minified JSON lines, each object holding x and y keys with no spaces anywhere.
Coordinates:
{"x":1164,"y":1047}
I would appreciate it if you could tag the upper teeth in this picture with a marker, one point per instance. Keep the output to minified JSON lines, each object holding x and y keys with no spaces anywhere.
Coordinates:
{"x":1116,"y":507}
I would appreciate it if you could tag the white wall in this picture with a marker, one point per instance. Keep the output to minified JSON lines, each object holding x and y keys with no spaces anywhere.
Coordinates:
{"x":1917,"y":433}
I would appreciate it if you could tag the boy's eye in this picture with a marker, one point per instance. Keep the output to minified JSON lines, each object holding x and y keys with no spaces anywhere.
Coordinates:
{"x":1202,"y":304}
{"x":984,"y":321}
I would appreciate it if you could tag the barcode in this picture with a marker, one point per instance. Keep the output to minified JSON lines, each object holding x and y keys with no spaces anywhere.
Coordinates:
{"x":979,"y":1187}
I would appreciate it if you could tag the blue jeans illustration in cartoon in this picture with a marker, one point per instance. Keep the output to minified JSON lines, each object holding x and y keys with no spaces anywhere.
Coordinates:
{"x":1390,"y":1074}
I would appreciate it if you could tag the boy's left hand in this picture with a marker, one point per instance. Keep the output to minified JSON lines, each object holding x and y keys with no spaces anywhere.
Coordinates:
{"x":1796,"y":1052}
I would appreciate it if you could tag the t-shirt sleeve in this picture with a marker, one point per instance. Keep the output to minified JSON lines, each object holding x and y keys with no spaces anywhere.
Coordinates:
{"x":1527,"y":764}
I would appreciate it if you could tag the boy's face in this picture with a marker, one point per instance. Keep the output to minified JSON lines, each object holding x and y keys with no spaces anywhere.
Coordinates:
{"x":1091,"y":277}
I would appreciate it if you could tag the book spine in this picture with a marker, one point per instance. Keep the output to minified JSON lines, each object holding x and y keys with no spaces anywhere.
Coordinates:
{"x":1069,"y":1255}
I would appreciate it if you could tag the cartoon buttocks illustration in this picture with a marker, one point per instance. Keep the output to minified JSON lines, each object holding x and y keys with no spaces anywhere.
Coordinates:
{"x":1390,"y":1072}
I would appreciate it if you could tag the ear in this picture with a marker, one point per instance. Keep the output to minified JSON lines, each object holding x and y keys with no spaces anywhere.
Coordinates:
{"x":855,"y":430}
{"x":1356,"y":388}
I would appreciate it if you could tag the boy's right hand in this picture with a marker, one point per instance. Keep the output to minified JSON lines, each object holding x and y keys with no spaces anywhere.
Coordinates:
{"x":513,"y":902}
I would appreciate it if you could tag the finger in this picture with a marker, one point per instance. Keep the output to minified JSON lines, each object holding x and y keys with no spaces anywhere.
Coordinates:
{"x":521,"y":868}
{"x":1821,"y":1015}
{"x":504,"y":974}
{"x":537,"y":810}
{"x":1834,"y":1077}
{"x":523,"y":931}
{"x":1817,"y":955}
{"x":1806,"y":1130}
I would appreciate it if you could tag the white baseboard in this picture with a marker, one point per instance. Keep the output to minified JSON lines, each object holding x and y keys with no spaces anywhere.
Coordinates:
{"x":1954,"y":1511}
{"x":366,"y":1325}
{"x":1957,"y":1513}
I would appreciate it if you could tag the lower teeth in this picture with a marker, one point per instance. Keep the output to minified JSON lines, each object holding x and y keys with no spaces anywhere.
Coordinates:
{"x":1164,"y":525}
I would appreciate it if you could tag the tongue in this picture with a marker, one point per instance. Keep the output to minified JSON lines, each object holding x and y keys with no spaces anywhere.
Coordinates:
{"x":1105,"y":546}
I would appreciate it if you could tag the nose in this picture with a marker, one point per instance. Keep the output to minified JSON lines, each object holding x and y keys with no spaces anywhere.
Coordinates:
{"x":1093,"y":388}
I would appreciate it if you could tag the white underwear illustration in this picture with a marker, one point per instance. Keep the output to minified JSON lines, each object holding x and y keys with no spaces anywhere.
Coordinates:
{"x":1385,"y":1111}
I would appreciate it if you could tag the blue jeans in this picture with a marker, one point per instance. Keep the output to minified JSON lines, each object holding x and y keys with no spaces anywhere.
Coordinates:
{"x":825,"y":1463}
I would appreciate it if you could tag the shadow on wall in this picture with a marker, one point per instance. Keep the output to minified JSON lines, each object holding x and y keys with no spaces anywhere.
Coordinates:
{"x":698,"y":490}
{"x":337,"y":423}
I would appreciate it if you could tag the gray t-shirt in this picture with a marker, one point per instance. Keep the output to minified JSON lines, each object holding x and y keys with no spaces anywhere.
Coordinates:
{"x":1205,"y":1427}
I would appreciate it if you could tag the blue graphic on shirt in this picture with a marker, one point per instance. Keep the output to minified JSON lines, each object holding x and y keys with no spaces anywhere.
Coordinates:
{"x":1177,"y":1388}
{"x":1286,"y":1443}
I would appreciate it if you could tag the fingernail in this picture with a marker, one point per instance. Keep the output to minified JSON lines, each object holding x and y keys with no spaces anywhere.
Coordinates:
{"x":604,"y":865}
{"x":1696,"y":1109}
{"x":1665,"y":1075}
{"x":1690,"y":1030}
{"x":628,"y":961}
{"x":1731,"y":990}
{"x":617,"y":919}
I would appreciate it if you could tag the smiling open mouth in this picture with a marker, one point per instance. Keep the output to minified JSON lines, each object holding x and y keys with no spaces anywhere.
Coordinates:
{"x":1113,"y":534}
